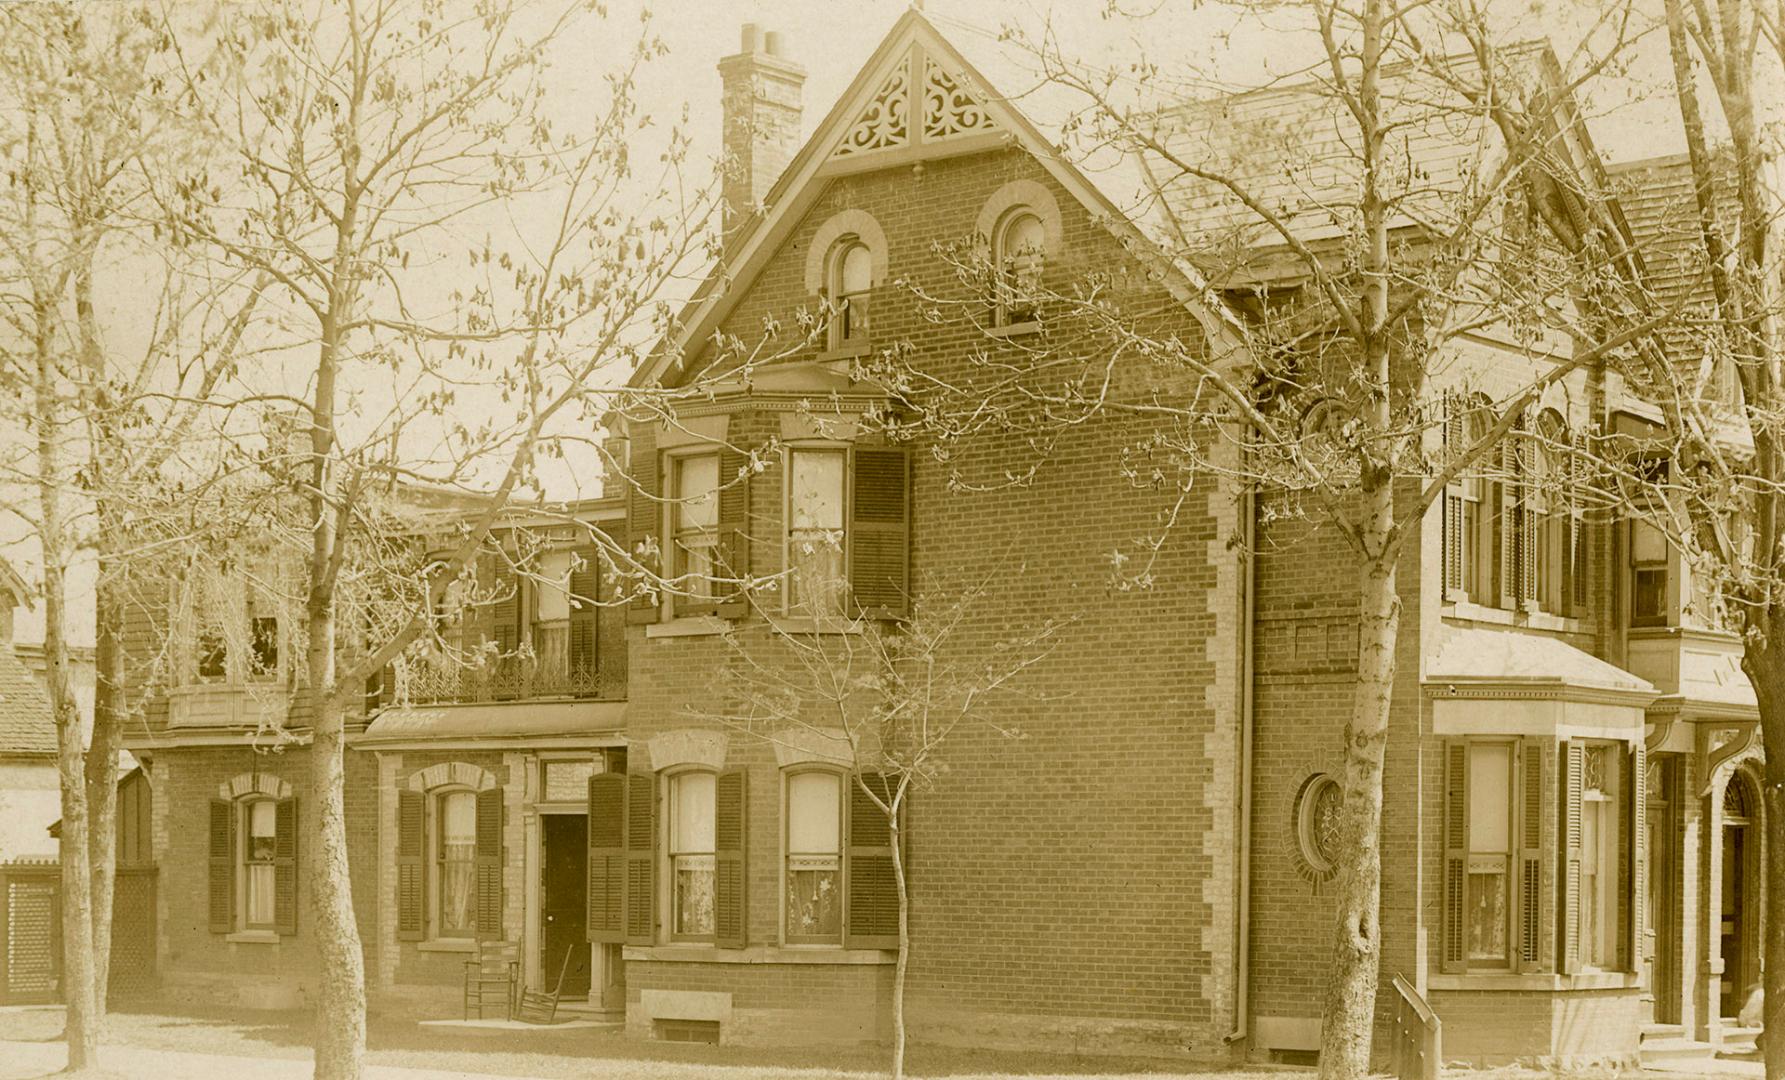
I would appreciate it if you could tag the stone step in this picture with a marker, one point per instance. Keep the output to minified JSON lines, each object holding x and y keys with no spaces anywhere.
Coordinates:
{"x":1738,"y":1040}
{"x":1654,"y":1051}
{"x":1663,"y":1031}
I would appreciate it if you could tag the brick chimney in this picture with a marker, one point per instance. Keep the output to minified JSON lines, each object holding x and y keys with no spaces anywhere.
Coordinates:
{"x":761,"y":96}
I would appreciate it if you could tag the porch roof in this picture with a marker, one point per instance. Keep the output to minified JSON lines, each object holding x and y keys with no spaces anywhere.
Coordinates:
{"x":1473,"y":658}
{"x":518,"y":722}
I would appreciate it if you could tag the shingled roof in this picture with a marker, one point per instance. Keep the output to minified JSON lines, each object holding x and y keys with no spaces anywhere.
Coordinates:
{"x":27,"y":728}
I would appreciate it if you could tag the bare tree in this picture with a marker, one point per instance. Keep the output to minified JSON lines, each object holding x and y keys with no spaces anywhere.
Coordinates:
{"x":889,"y":700}
{"x":369,"y":139}
{"x":108,"y":406}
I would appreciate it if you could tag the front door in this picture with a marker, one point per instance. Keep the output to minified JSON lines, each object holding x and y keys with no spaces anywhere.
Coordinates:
{"x":1661,"y":989}
{"x":563,"y":903}
{"x":1737,"y":965}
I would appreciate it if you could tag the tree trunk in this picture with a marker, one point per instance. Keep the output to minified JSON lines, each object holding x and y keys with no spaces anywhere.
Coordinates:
{"x":341,"y":1012}
{"x":904,"y":957}
{"x":1350,"y":1009}
{"x":1765,"y":668}
{"x":102,"y":772}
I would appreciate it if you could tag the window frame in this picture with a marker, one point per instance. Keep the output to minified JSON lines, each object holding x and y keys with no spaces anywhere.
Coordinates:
{"x":790,"y":604}
{"x":1507,"y":857}
{"x":1608,"y":877}
{"x":434,"y":843}
{"x":673,"y":463}
{"x":245,"y":862}
{"x":1663,"y":566}
{"x":851,"y":324}
{"x":671,"y":900}
{"x":1006,"y":315}
{"x":842,"y":779}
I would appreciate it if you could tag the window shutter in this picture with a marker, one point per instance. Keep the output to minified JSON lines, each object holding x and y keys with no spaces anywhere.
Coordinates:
{"x":879,"y":533}
{"x":285,"y":847}
{"x":585,"y":614}
{"x":731,"y":872}
{"x":607,"y":858}
{"x":734,"y":529}
{"x":641,"y":858}
{"x":1574,"y":764}
{"x":1634,"y":888}
{"x":1506,"y":529}
{"x":1456,"y":856}
{"x":871,"y":909}
{"x":644,"y":520}
{"x":489,"y":864}
{"x":375,"y":684}
{"x":411,"y":876}
{"x":223,"y":866}
{"x":1453,"y":498}
{"x":1576,"y":557}
{"x":1532,"y":756}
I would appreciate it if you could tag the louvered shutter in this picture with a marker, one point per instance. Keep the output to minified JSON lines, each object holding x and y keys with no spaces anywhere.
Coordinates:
{"x":731,"y":870}
{"x":1506,"y":531}
{"x":879,"y":533}
{"x":1455,"y":956}
{"x":644,"y":521}
{"x":1532,"y":757}
{"x":585,"y":624}
{"x":641,"y":858}
{"x":1529,"y":526}
{"x":1577,"y":530}
{"x":734,"y":530}
{"x":375,"y":684}
{"x":489,"y":864}
{"x":607,"y":858}
{"x":505,"y":629}
{"x":1574,"y":765}
{"x":871,"y":909}
{"x":1453,"y":498}
{"x":411,"y":868}
{"x":285,"y":849}
{"x":223,"y":866}
{"x":1634,"y":887}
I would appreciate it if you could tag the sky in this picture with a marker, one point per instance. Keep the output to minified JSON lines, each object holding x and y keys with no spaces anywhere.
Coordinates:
{"x":1200,"y":47}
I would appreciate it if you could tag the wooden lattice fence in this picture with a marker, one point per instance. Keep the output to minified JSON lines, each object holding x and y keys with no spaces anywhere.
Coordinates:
{"x":30,"y":932}
{"x":133,"y":930}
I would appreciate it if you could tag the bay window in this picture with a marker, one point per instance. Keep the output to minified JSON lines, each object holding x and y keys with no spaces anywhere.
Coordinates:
{"x":1490,"y":853}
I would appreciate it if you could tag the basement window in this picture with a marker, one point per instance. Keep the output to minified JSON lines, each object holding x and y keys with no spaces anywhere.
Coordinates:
{"x":686,"y":1031}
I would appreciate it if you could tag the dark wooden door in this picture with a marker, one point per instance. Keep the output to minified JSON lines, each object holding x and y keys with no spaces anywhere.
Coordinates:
{"x":1737,"y":964}
{"x":563,"y":903}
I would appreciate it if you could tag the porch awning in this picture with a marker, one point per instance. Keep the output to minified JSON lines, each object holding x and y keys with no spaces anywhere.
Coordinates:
{"x":519,"y":722}
{"x":1506,"y":682}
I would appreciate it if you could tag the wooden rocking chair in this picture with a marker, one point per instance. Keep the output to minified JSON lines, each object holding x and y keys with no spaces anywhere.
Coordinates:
{"x":539,"y":1007}
{"x":492,"y":977}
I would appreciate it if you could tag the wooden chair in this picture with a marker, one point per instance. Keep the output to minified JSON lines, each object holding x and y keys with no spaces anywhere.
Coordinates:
{"x":494,"y":974}
{"x":539,"y":1007}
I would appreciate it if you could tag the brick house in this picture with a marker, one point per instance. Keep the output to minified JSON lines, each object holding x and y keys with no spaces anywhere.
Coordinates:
{"x":1570,"y":819}
{"x":1570,"y":808}
{"x":29,"y":798}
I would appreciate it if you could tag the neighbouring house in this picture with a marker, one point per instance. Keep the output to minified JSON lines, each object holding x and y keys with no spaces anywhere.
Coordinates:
{"x":29,"y":799}
{"x":1571,"y":814}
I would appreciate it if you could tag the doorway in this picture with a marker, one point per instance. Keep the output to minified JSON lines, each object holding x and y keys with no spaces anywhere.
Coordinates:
{"x":1740,"y":908}
{"x":563,"y":902}
{"x":1661,"y":997}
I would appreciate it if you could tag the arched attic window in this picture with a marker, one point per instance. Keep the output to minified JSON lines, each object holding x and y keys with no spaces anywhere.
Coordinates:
{"x":850,"y":280}
{"x":1018,"y":251}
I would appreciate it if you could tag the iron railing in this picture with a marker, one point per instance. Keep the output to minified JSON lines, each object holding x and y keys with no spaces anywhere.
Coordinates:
{"x":542,"y":667}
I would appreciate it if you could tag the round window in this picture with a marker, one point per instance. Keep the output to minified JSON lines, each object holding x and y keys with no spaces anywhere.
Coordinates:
{"x":1317,"y":807}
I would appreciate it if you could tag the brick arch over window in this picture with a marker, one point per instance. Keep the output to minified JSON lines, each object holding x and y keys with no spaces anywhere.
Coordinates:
{"x":857,"y":223}
{"x":1029,"y":194}
{"x":457,"y":773}
{"x":255,"y":783}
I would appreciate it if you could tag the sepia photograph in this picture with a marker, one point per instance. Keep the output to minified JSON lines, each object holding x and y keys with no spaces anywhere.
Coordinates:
{"x":933,"y":539}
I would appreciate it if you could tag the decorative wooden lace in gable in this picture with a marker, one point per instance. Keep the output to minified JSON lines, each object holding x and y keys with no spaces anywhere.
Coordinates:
{"x":949,"y":110}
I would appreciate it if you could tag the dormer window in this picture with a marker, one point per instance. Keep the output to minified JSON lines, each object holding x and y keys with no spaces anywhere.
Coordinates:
{"x":1018,"y":253}
{"x":851,"y":281}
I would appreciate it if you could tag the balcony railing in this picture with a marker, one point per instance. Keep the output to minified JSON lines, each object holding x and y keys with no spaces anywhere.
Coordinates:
{"x":542,"y":668}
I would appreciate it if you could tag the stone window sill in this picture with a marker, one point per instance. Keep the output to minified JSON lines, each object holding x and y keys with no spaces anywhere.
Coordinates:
{"x":1532,"y":620}
{"x":1503,"y":981}
{"x":1010,"y":330}
{"x":687,"y":626}
{"x":760,"y":954}
{"x":252,"y":937}
{"x":447,"y":945}
{"x":846,"y":352}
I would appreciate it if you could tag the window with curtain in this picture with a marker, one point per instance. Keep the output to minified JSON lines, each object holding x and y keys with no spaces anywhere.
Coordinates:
{"x":259,"y":832}
{"x":1020,"y":248}
{"x":1490,"y":853}
{"x":814,"y":898}
{"x":1601,"y":834}
{"x":696,"y":514}
{"x":851,"y":282}
{"x":455,"y":864}
{"x":1648,"y":575}
{"x":815,"y":536}
{"x":691,"y":854}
